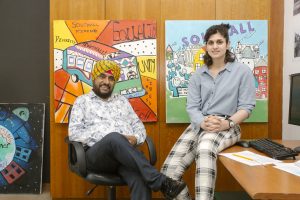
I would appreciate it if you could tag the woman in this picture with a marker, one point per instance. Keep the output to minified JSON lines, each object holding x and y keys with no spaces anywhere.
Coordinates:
{"x":221,"y":95}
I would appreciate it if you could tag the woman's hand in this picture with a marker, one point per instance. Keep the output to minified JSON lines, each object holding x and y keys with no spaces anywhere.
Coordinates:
{"x":213,"y":123}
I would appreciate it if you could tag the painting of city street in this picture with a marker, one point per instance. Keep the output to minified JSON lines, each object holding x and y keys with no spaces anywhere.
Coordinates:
{"x":184,"y":50}
{"x":79,"y":44}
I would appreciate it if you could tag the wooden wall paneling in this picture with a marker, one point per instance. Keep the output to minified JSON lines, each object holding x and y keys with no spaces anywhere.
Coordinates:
{"x":66,"y":185}
{"x":133,"y":9}
{"x":242,"y":9}
{"x":254,"y":130}
{"x":177,"y":10}
{"x":276,"y":63}
{"x":63,"y":182}
{"x":77,"y":9}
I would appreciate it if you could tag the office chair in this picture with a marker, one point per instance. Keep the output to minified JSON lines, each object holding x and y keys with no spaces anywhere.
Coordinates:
{"x":77,"y":164}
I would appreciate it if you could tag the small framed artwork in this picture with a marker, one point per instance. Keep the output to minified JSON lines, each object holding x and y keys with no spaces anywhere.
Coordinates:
{"x":296,"y":7}
{"x":297,"y":45}
{"x":21,"y":147}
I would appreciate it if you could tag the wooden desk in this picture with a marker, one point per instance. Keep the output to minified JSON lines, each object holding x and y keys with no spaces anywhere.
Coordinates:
{"x":264,"y":182}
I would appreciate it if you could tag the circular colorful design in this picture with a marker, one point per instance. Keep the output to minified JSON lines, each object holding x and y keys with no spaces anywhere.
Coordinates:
{"x":8,"y":147}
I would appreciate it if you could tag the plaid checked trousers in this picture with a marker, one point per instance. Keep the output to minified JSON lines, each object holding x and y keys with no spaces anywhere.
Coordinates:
{"x":203,"y":147}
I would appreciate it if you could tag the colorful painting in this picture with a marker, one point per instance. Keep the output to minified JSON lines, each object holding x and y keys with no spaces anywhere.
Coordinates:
{"x":78,"y":45}
{"x":21,"y":147}
{"x":184,"y":54}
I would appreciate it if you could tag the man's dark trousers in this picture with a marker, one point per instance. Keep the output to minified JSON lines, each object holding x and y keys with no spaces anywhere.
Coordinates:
{"x":114,"y":153}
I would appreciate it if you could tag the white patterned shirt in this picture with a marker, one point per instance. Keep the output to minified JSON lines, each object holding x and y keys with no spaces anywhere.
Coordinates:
{"x":93,"y":118}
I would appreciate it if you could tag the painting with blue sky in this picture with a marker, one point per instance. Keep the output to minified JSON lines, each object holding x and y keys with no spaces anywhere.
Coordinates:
{"x":184,"y":50}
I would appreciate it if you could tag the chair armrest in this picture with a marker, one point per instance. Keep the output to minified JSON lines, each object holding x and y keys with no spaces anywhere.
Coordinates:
{"x":151,"y":149}
{"x":76,"y":157}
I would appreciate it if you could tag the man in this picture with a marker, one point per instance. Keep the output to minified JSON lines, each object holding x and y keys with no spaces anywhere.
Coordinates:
{"x":108,"y":127}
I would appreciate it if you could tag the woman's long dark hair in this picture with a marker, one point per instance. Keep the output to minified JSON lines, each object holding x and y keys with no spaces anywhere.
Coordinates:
{"x":223,"y":30}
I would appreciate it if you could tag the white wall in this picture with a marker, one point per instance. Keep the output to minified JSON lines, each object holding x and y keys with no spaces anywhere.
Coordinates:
{"x":290,"y":66}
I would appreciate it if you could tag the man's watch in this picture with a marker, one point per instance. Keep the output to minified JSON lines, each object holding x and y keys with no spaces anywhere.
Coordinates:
{"x":231,"y":123}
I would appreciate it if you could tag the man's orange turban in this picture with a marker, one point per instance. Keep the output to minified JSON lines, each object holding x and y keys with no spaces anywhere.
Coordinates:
{"x":106,"y":66}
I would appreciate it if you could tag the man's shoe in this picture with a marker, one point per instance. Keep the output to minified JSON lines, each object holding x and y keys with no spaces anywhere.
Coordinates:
{"x":171,"y":188}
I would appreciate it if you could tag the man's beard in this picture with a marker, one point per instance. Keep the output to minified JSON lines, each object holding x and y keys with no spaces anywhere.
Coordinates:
{"x":102,"y":95}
